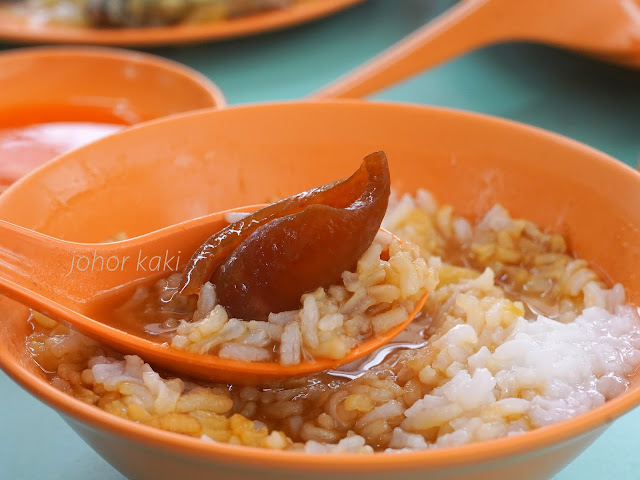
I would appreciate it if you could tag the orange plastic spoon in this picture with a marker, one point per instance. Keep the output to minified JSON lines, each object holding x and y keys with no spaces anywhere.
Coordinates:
{"x":604,"y":28}
{"x":77,"y":283}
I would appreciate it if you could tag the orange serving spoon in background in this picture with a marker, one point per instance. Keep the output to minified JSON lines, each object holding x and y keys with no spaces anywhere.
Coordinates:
{"x":77,"y":283}
{"x":604,"y":28}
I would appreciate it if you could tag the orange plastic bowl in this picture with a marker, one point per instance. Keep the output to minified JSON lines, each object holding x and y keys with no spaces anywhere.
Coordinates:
{"x":173,"y":169}
{"x":135,"y":86}
{"x":105,"y":87}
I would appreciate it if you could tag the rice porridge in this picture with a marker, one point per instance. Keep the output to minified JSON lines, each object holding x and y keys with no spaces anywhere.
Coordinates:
{"x":516,"y":333}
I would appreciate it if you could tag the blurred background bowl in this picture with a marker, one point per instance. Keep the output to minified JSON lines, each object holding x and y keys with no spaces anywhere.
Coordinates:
{"x":135,"y":86}
{"x":99,"y":90}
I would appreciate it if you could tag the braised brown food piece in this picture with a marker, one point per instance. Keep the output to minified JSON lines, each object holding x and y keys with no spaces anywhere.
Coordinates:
{"x":266,"y":261}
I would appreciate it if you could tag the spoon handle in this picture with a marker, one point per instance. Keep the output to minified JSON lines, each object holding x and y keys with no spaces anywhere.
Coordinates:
{"x":600,"y":27}
{"x":36,"y":268}
{"x":31,"y":262}
{"x":464,"y":27}
{"x":76,"y":274}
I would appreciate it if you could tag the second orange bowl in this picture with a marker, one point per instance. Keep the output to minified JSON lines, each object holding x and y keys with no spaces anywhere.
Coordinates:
{"x":92,"y":91}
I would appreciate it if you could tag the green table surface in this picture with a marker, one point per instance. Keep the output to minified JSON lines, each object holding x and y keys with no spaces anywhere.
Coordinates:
{"x":593,"y":102}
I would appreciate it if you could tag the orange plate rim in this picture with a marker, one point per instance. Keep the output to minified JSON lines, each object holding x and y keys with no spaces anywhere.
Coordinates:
{"x":12,"y":27}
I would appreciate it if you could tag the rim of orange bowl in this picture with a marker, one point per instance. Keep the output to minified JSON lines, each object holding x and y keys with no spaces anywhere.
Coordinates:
{"x":114,"y":53}
{"x":479,"y":452}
